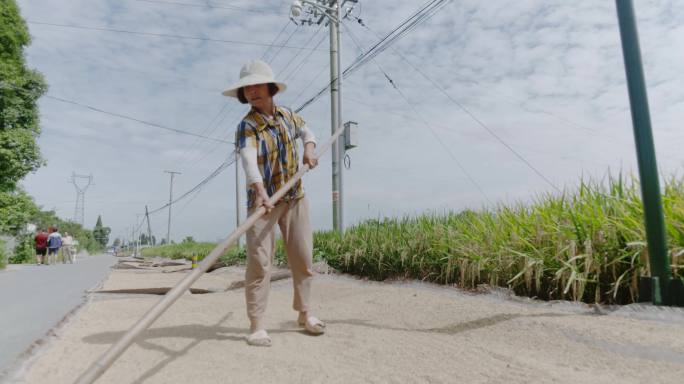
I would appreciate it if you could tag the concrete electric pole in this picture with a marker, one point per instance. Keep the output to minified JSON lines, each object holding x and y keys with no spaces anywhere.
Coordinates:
{"x":237,"y":192}
{"x":168,"y":227}
{"x":316,"y":11}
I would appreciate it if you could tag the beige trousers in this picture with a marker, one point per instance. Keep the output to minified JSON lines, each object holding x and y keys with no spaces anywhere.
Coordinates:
{"x":293,"y":219}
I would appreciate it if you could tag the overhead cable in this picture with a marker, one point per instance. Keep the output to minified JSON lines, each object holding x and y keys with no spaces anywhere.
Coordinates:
{"x":163,"y":35}
{"x":423,"y":14}
{"x":295,"y":56}
{"x":138,"y":120}
{"x":207,"y":5}
{"x":198,"y":159}
{"x":283,"y":44}
{"x":212,"y":149}
{"x":513,"y":101}
{"x":425,"y":122}
{"x":480,"y":123}
{"x":12,"y":86}
{"x":268,"y":49}
{"x":208,"y":130}
{"x":222,"y":167}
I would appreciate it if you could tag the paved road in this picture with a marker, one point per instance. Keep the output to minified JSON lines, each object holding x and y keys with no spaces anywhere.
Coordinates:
{"x":35,"y":298}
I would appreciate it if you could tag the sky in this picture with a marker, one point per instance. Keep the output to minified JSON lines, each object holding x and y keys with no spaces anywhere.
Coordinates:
{"x":543,"y":84}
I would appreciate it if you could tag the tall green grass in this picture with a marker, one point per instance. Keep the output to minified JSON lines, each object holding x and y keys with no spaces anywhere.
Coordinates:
{"x":588,"y":245}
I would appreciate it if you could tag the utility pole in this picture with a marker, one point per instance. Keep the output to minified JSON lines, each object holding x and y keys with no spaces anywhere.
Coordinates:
{"x":149,"y":227}
{"x":237,"y":191}
{"x":168,"y":227}
{"x":332,"y":10}
{"x":79,"y":210}
{"x":335,"y":119}
{"x":137,"y":234}
{"x":659,"y":286}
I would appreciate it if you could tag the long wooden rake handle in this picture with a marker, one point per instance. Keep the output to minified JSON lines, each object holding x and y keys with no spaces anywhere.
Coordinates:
{"x":105,"y":361}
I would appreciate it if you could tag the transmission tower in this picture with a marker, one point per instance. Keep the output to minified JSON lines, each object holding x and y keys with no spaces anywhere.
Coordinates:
{"x":79,"y":210}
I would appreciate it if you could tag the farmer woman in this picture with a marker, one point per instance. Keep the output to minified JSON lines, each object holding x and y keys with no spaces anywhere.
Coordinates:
{"x":266,"y":138}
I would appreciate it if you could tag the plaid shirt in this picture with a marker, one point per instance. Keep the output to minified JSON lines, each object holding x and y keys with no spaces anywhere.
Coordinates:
{"x":277,"y":157}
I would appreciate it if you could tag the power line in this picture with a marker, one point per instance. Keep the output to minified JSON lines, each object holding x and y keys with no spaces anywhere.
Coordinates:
{"x":206,"y":130}
{"x":425,"y":122}
{"x":207,"y":153}
{"x":299,"y":66}
{"x":12,"y":86}
{"x":479,"y":122}
{"x":281,"y":47}
{"x":423,"y":14}
{"x":311,"y":100}
{"x":231,"y":158}
{"x":263,"y":55}
{"x":296,"y":55}
{"x":438,"y":139}
{"x":197,"y":160}
{"x":163,"y":35}
{"x":209,"y":130}
{"x":187,"y":203}
{"x":232,"y":107}
{"x":138,"y":120}
{"x":444,"y":127}
{"x":211,"y":6}
{"x":511,"y":100}
{"x":222,"y":167}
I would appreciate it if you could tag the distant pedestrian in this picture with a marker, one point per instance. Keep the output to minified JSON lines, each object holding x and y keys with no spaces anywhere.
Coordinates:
{"x":54,"y":244}
{"x":41,"y":240}
{"x":68,"y":248}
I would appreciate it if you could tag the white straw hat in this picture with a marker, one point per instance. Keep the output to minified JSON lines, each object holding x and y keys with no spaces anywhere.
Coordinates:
{"x":252,"y":73}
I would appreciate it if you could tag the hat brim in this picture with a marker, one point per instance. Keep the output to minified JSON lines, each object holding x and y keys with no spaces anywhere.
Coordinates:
{"x":252,"y":80}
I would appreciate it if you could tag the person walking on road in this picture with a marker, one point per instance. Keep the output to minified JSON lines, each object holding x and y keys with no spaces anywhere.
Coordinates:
{"x":266,"y":138}
{"x":41,"y":240}
{"x":68,"y":248}
{"x":54,"y":244}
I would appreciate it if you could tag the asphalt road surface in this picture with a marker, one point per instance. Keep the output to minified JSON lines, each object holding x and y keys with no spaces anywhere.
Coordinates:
{"x":35,"y":298}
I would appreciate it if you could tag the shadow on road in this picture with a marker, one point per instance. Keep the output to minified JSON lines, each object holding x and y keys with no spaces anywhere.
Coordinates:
{"x":199,"y":333}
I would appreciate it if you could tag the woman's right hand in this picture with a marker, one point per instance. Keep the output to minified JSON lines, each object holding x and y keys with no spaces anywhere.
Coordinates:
{"x":262,"y":197}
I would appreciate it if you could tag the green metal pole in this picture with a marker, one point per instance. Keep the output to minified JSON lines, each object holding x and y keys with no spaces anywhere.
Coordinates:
{"x":648,"y":169}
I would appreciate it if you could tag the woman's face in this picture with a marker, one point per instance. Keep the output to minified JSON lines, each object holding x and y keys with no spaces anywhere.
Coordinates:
{"x":258,"y":96}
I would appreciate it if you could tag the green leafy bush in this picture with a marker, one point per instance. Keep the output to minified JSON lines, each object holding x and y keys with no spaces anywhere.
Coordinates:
{"x":3,"y":255}
{"x":23,"y":251}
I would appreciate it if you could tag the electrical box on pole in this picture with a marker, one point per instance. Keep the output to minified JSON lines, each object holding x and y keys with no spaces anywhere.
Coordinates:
{"x":351,"y":135}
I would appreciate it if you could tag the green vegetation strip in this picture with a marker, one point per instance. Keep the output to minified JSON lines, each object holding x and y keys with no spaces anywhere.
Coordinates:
{"x":588,"y":245}
{"x":186,"y":250}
